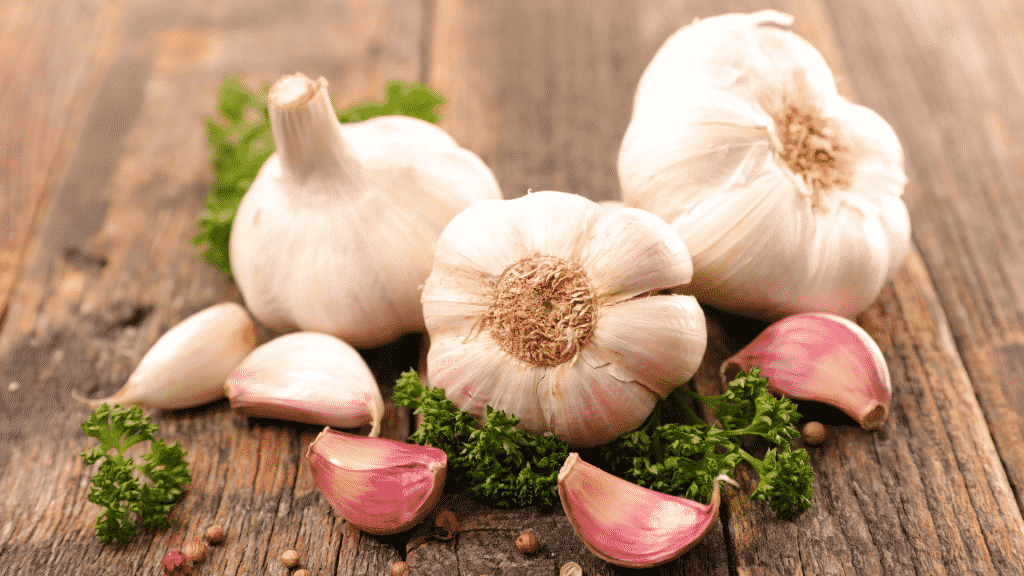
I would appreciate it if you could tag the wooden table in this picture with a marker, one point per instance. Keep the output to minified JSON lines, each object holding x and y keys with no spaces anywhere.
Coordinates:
{"x":105,"y":169}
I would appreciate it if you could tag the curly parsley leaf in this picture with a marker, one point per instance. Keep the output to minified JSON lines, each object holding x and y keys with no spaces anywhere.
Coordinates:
{"x":125,"y":500}
{"x":498,"y":464}
{"x":684,"y":459}
{"x":240,"y":142}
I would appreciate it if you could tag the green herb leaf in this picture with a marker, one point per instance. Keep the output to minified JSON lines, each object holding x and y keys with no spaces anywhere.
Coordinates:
{"x":125,"y":500}
{"x":240,"y":142}
{"x":684,"y":459}
{"x":498,"y":463}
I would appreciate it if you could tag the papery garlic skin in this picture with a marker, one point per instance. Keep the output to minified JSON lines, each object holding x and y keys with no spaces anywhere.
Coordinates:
{"x":379,"y":485}
{"x":335,"y":234}
{"x":550,"y":308}
{"x":187,"y":366}
{"x":629,"y":525}
{"x":824,"y":358}
{"x":307,"y":377}
{"x":787,"y":194}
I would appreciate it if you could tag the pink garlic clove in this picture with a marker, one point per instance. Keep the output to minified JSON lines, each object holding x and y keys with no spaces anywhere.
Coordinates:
{"x":381,"y":486}
{"x":307,"y":377}
{"x":823,"y":358}
{"x":629,"y":525}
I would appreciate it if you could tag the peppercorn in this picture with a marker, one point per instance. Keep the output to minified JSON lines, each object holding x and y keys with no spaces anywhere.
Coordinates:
{"x":214,"y":534}
{"x":302,"y":572}
{"x":446,"y":525}
{"x":400,"y":568}
{"x":195,"y":551}
{"x":527,"y":543}
{"x":290,"y":558}
{"x":813,"y":433}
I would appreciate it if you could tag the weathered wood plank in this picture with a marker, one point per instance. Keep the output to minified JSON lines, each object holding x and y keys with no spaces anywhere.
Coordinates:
{"x":950,"y":82}
{"x":82,"y":322}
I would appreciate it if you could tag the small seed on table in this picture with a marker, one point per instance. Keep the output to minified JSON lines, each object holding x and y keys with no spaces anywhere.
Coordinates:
{"x":813,"y":433}
{"x":290,"y":558}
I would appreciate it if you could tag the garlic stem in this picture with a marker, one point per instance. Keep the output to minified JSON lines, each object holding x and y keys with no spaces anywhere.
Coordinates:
{"x":822,"y":358}
{"x":302,"y":125}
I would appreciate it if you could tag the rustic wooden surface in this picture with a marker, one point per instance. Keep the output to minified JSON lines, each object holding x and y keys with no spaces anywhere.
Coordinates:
{"x":104,"y":169}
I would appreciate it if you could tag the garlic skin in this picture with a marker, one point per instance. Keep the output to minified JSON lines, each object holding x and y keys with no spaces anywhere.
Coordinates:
{"x":307,"y":377}
{"x":335,"y":234}
{"x":787,"y":194}
{"x":379,"y":485}
{"x":629,"y":525}
{"x":550,"y":308}
{"x":187,"y":366}
{"x":823,"y":358}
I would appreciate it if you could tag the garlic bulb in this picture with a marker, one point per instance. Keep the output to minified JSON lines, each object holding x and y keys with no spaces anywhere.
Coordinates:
{"x":335,"y":234}
{"x":629,"y":525}
{"x":787,"y":194}
{"x":307,"y":377}
{"x":824,"y":358}
{"x":549,"y":307}
{"x":379,"y":485}
{"x":187,"y":366}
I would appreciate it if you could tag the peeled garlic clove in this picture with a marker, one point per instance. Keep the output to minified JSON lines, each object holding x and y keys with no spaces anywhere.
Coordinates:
{"x":307,"y":377}
{"x":381,"y":486}
{"x":187,"y":366}
{"x":629,"y":525}
{"x":824,"y":358}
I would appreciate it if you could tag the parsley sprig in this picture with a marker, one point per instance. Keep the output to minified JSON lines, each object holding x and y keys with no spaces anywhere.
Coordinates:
{"x":683,"y":458}
{"x":240,"y":142}
{"x":115,"y":487}
{"x":497,"y":463}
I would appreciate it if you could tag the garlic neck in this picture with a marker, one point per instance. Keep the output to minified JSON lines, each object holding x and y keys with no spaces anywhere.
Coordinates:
{"x":306,"y":131}
{"x":543,"y":310}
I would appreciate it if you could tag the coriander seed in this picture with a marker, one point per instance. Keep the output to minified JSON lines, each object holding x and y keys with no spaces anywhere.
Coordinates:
{"x":527,"y":543}
{"x":290,"y":558}
{"x":400,"y":568}
{"x":195,"y":551}
{"x":214,"y":534}
{"x":302,"y":572}
{"x":814,"y":433}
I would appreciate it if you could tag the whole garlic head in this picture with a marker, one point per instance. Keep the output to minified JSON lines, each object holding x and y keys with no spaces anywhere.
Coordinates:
{"x":787,"y":194}
{"x":551,"y":308}
{"x":336,"y":233}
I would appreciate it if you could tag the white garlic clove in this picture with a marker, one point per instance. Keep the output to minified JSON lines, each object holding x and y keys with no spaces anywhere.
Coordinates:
{"x":336,"y":232}
{"x":379,"y":485}
{"x":307,"y":377}
{"x":187,"y":366}
{"x":629,"y":525}
{"x":823,"y":358}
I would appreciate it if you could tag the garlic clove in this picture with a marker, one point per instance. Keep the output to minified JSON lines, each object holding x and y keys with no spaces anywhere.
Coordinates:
{"x":381,"y":486}
{"x":658,"y":341}
{"x":307,"y":377}
{"x":187,"y":366}
{"x":639,"y":253}
{"x":823,"y":358}
{"x":629,"y":525}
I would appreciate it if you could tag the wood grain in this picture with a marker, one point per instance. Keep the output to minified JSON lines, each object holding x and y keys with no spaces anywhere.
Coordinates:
{"x":106,"y":174}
